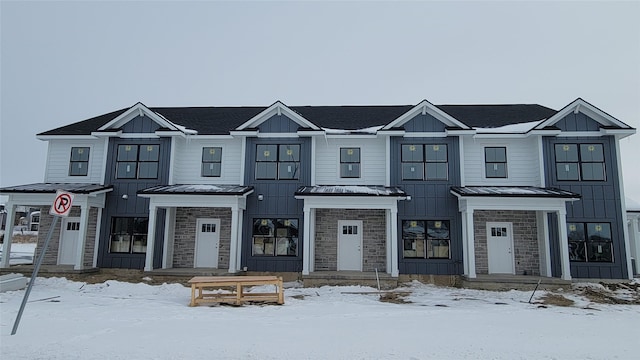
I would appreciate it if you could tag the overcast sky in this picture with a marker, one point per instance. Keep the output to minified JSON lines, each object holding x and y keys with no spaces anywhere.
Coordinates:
{"x":63,"y":62}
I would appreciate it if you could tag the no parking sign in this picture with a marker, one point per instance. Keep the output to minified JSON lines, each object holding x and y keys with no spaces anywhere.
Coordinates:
{"x":62,"y":204}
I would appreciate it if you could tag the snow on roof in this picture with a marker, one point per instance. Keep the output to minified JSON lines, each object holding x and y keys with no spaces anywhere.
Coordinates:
{"x":199,"y":189}
{"x":350,"y":190}
{"x":512,"y":128}
{"x":370,"y":130}
{"x":179,"y":127}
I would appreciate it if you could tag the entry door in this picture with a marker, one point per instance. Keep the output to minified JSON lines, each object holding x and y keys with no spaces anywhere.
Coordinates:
{"x":69,"y":237}
{"x":350,"y":245}
{"x":500,"y":248}
{"x":207,"y":243}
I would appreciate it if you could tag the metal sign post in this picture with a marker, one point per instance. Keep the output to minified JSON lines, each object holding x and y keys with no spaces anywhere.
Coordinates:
{"x":60,"y":208}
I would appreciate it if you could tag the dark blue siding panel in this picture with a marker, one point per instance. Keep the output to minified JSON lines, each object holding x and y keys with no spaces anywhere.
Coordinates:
{"x":278,"y":202}
{"x":140,"y":125}
{"x":431,"y":200}
{"x":134,"y":206}
{"x":577,"y":122}
{"x":424,"y":123}
{"x":279,"y":124}
{"x":600,"y":201}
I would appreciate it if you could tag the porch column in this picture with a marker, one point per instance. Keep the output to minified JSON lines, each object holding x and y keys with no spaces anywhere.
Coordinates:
{"x":564,"y":244}
{"x":544,"y":247}
{"x":465,"y":250}
{"x":151,"y":237}
{"x":167,"y":247}
{"x":312,"y":241}
{"x":394,"y":242}
{"x":470,"y":239}
{"x":233,"y":246}
{"x":8,"y":234}
{"x":96,"y":240}
{"x":82,"y":241}
{"x":388,"y":242}
{"x":306,"y":239}
{"x":635,"y":242}
{"x":240,"y":238}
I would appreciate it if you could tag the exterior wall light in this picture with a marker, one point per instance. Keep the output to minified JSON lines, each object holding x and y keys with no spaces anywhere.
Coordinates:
{"x":260,"y":197}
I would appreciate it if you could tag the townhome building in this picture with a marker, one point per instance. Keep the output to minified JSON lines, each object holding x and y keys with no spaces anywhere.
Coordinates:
{"x":452,"y":190}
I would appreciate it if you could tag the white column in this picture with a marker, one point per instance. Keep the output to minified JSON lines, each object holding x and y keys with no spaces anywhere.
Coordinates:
{"x":151,"y":237}
{"x":8,"y":234}
{"x":635,"y":241}
{"x":82,"y":240}
{"x":167,"y":246}
{"x":306,"y":237}
{"x":544,"y":244}
{"x":240,"y":239}
{"x":233,"y":246}
{"x":394,"y":242}
{"x":96,"y":241}
{"x":471,"y":247}
{"x":388,"y":242}
{"x":564,"y":244}
{"x":465,"y":247}
{"x":312,"y":241}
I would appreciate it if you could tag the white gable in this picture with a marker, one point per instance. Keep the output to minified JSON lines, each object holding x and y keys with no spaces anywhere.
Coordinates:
{"x":425,"y":107}
{"x":140,"y":109}
{"x":277,"y":108}
{"x":589,"y":110}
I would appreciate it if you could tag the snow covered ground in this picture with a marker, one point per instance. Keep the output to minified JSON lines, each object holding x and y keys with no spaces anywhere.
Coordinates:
{"x":118,"y":320}
{"x":21,"y":253}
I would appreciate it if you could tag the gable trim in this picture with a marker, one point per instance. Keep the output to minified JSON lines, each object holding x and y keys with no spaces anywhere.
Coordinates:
{"x":277,"y":108}
{"x":579,"y":105}
{"x":140,"y":109}
{"x":423,"y":108}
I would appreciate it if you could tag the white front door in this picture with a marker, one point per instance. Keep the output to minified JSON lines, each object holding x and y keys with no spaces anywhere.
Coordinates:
{"x":69,"y":237}
{"x":350,"y":245}
{"x":207,"y":243}
{"x":500,"y":248}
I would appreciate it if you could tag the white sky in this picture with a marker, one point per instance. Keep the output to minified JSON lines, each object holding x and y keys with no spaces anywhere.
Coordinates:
{"x":62,"y":62}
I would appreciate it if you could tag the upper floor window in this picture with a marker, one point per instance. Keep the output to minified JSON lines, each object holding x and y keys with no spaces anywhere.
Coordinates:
{"x":580,"y":162}
{"x":424,"y":162}
{"x":596,"y":246}
{"x":79,"y":163}
{"x":137,"y":161}
{"x":426,"y":239}
{"x":277,"y":162}
{"x":349,"y":162}
{"x":495,"y":162}
{"x":211,"y":161}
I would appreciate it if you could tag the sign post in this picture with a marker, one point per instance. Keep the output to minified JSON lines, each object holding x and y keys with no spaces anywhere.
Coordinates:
{"x":60,"y":208}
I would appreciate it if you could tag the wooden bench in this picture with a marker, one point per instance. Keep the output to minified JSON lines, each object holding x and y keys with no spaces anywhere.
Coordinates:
{"x":237,"y":296}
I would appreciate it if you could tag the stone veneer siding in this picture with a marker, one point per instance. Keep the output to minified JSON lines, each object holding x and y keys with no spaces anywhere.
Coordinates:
{"x":373,"y":238}
{"x":51,"y":257}
{"x":185,"y":235}
{"x":525,"y":239}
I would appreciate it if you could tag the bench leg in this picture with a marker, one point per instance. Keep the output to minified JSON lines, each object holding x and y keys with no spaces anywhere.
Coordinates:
{"x":280,"y":290}
{"x":193,"y":295}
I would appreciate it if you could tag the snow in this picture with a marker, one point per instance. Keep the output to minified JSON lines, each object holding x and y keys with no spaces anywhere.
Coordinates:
{"x":203,"y":187}
{"x":512,"y":128}
{"x":351,"y":189}
{"x":21,"y":253}
{"x":370,"y":130}
{"x":631,"y":204}
{"x":118,"y":320}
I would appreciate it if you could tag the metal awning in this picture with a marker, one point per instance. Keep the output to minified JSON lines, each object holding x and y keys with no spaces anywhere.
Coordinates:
{"x":197,"y":189}
{"x":512,"y":191}
{"x":350,"y":190}
{"x":51,"y":188}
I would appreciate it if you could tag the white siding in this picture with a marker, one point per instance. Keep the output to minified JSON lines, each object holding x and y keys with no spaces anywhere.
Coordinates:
{"x":59,"y":155}
{"x":523,"y":164}
{"x":188,"y":161}
{"x":372,"y":161}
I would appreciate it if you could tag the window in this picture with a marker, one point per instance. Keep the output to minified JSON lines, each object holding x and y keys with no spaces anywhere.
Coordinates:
{"x":79,"y":163}
{"x":349,"y":162}
{"x":277,"y":162}
{"x":596,"y":246}
{"x":128,"y":235}
{"x":495,"y":162}
{"x":580,"y":162}
{"x":275,"y":237}
{"x":426,"y":239}
{"x":424,"y":162}
{"x":211,"y":161}
{"x":137,"y":161}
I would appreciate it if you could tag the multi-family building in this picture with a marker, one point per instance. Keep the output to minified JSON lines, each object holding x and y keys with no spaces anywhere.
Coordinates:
{"x":412,"y":189}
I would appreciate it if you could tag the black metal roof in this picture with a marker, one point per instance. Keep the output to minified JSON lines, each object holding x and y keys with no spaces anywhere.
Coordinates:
{"x":349,"y":190}
{"x":44,"y":188}
{"x":197,"y":189}
{"x":222,"y":120}
{"x":513,"y":191}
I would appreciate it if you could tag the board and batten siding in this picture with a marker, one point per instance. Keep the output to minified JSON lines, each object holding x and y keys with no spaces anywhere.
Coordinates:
{"x":523,"y":162}
{"x":59,"y":156}
{"x":372,"y":161}
{"x":188,"y":161}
